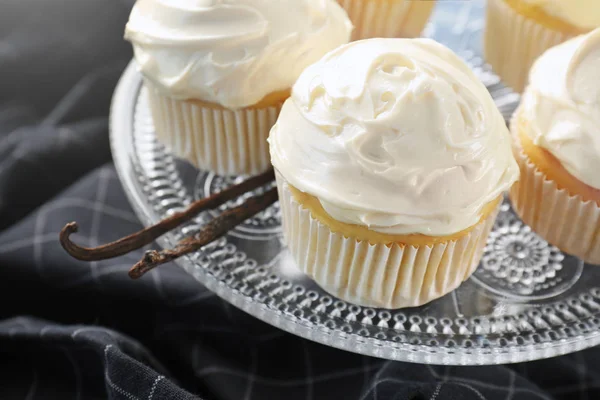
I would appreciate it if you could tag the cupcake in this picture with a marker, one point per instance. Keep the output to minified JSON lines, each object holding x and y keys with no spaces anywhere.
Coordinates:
{"x":391,"y":160}
{"x":556,"y":132}
{"x":217,"y":72}
{"x":387,"y":18}
{"x":519,"y":31}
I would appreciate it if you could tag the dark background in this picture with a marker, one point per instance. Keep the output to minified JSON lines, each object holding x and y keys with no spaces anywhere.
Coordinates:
{"x":84,"y":330}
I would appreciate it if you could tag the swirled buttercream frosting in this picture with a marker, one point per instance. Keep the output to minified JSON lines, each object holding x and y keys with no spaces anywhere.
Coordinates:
{"x":232,"y":52}
{"x":397,"y":135}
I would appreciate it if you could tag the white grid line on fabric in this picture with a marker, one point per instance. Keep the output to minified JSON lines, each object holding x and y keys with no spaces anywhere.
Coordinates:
{"x":275,"y":382}
{"x":76,"y":372}
{"x":37,"y":242}
{"x":580,"y":367}
{"x":582,"y":372}
{"x":26,"y":242}
{"x":11,"y":155}
{"x":390,"y":380}
{"x":64,"y":132}
{"x":511,"y":385}
{"x":41,"y":218}
{"x":477,"y":392}
{"x":13,"y":136}
{"x":309,"y":387}
{"x":367,"y":369}
{"x":154,"y":386}
{"x":136,"y":255}
{"x":34,"y":384}
{"x":489,"y":386}
{"x":195,"y":298}
{"x":437,"y":390}
{"x":375,"y":382}
{"x":366,"y":380}
{"x":5,"y":161}
{"x":446,"y":374}
{"x":95,"y":228}
{"x":105,"y":209}
{"x":177,"y":327}
{"x":42,"y":239}
{"x":403,"y":381}
{"x":121,"y":391}
{"x":155,"y":275}
{"x":87,"y":204}
{"x":40,"y":222}
{"x":39,"y":238}
{"x":110,"y":382}
{"x":251,"y":373}
{"x":227,"y":310}
{"x":77,"y":92}
{"x":103,"y":271}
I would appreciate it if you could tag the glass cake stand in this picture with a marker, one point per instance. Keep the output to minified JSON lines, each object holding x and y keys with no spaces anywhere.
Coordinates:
{"x":526,"y":301}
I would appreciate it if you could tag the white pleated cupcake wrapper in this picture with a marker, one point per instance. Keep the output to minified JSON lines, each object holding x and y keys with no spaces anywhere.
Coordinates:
{"x":227,"y":142}
{"x":387,"y":18}
{"x":512,"y":43}
{"x":566,"y":221}
{"x":387,"y":276}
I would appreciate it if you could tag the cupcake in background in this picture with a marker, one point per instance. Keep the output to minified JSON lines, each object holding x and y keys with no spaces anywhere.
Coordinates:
{"x":388,"y":18}
{"x":519,"y":31}
{"x":556,"y":134}
{"x":391,"y":159}
{"x":217,"y":72}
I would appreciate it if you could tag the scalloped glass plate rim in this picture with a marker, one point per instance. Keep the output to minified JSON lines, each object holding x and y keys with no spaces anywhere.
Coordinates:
{"x":121,"y":118}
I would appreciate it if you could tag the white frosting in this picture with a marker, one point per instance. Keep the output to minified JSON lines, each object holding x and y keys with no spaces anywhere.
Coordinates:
{"x":581,"y":13}
{"x":232,"y":52}
{"x":562,"y":105}
{"x":397,"y":135}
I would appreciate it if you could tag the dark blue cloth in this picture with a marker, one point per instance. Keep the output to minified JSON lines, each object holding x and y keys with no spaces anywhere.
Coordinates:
{"x":86,"y":331}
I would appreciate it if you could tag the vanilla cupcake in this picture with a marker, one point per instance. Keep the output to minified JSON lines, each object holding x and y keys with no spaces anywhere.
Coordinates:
{"x":557,"y":145}
{"x":391,"y":160}
{"x":388,"y":18}
{"x":519,"y":31}
{"x":218,"y":71}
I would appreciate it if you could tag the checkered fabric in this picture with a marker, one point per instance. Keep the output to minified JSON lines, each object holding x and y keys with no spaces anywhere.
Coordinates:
{"x":73,"y":330}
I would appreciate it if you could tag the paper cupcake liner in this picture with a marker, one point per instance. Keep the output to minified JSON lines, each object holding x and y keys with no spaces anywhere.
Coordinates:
{"x":387,"y":18}
{"x":513,"y":42}
{"x":227,"y":142}
{"x":563,"y":220}
{"x":377,"y":275}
